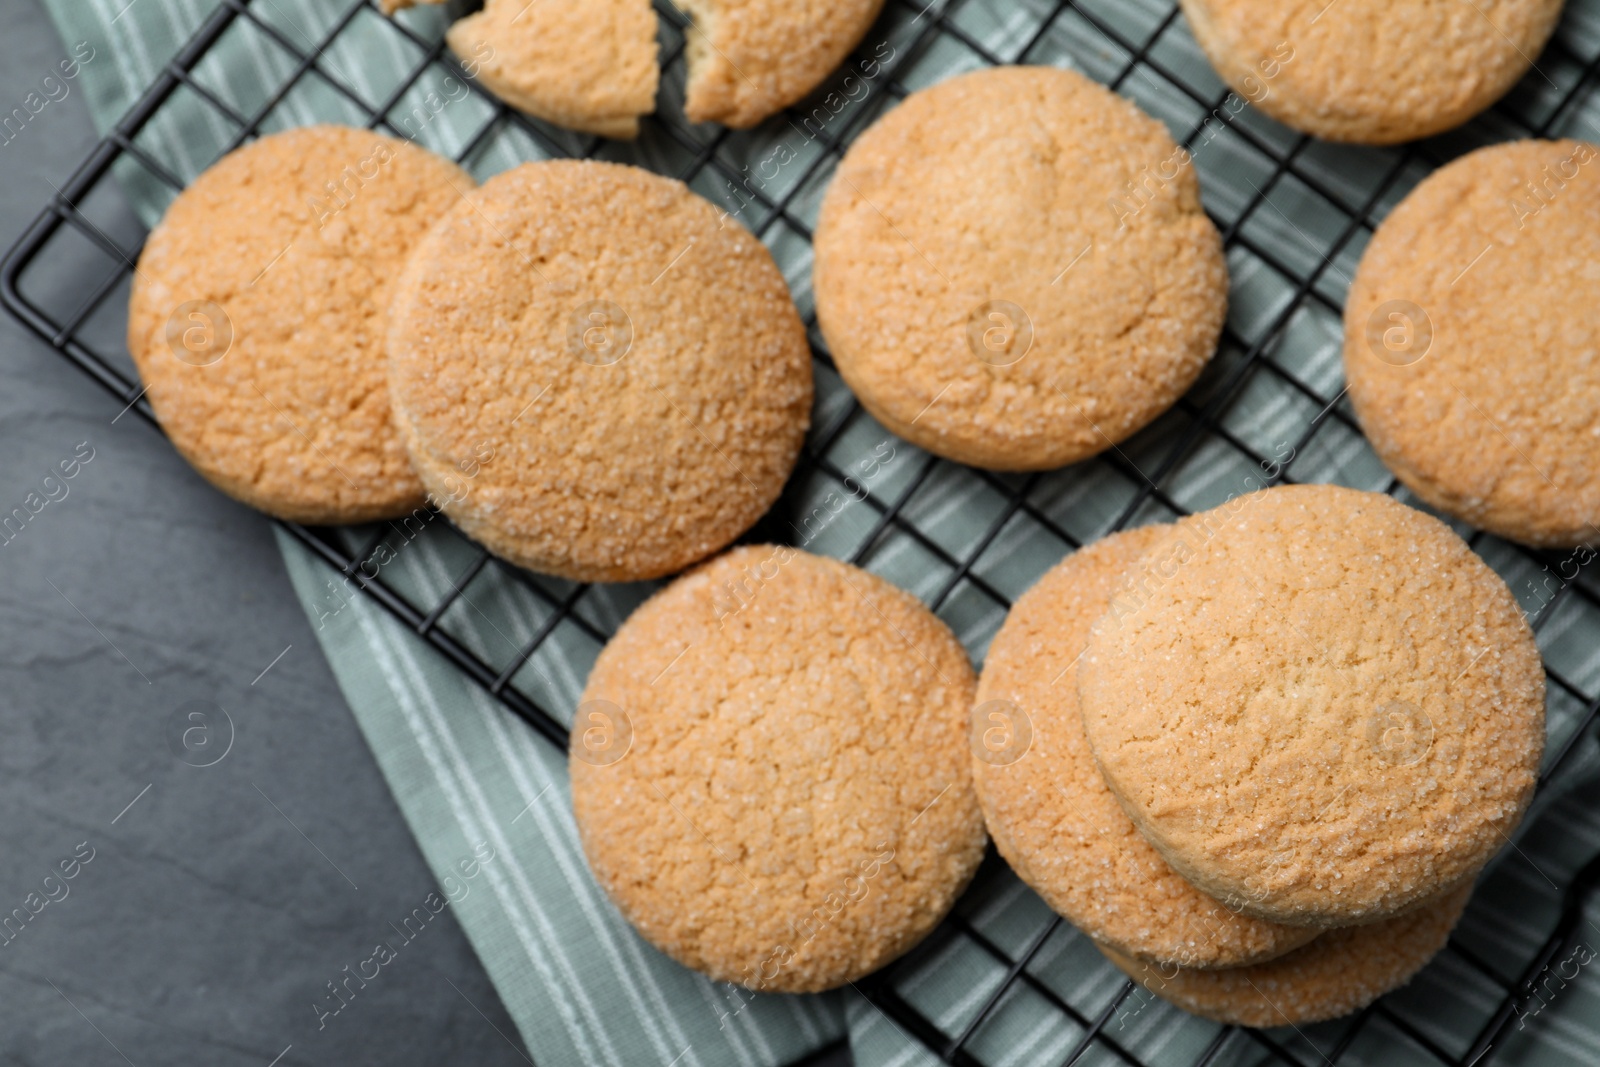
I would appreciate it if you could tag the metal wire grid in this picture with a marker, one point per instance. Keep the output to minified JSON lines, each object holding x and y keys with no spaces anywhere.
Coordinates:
{"x":1155,"y":475}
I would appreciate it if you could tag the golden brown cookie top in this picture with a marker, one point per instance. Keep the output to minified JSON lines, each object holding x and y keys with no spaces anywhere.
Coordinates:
{"x":1044,"y":800}
{"x":584,"y":64}
{"x":1340,"y":972}
{"x":1470,"y":333}
{"x":259,"y":313}
{"x":1323,"y":709}
{"x":634,"y":365}
{"x":1371,"y":71}
{"x":750,"y":58}
{"x":1013,"y":269}
{"x":770,"y":770}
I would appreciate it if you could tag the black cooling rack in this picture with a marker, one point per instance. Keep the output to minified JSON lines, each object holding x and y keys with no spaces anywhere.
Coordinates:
{"x":1140,"y":50}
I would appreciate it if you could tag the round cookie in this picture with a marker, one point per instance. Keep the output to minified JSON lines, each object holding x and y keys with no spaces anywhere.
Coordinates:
{"x":1044,"y":801}
{"x":585,"y":64}
{"x":629,"y":369}
{"x":1371,"y":71}
{"x":1039,"y":286}
{"x":1324,"y":710}
{"x":1340,"y":972}
{"x":750,"y":58}
{"x":259,"y":312}
{"x":770,"y":771}
{"x":1470,"y":333}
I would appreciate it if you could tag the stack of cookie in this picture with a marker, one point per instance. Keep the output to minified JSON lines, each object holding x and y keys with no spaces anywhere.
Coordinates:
{"x":1264,"y":752}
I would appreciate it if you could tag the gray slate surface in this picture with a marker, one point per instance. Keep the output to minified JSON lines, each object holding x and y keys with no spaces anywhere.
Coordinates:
{"x":206,"y":924}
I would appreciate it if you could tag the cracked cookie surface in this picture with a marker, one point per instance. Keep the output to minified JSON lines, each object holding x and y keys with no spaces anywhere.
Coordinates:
{"x":792,"y":807}
{"x":1013,"y":269}
{"x":259,"y":313}
{"x":1324,"y":710}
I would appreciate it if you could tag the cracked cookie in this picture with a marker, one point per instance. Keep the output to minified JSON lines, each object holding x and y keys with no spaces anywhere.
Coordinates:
{"x":259,"y":312}
{"x":749,"y":59}
{"x":1045,"y":803}
{"x":591,"y":64}
{"x":597,"y":376}
{"x":1013,"y":269}
{"x":770,"y":770}
{"x":584,"y":64}
{"x":1322,"y":708}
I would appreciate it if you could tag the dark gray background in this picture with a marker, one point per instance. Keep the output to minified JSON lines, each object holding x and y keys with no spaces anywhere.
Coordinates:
{"x":206,"y":924}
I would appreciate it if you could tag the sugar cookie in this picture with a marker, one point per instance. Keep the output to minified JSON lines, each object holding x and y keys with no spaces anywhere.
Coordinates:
{"x":1371,"y":71}
{"x":1013,"y":269}
{"x":770,"y":771}
{"x":585,"y":64}
{"x":259,"y":313}
{"x":1322,"y":708}
{"x":1470,"y":338}
{"x":633,"y":364}
{"x":750,"y":58}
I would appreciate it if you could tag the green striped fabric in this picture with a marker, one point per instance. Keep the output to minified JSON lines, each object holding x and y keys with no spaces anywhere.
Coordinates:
{"x":581,"y":986}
